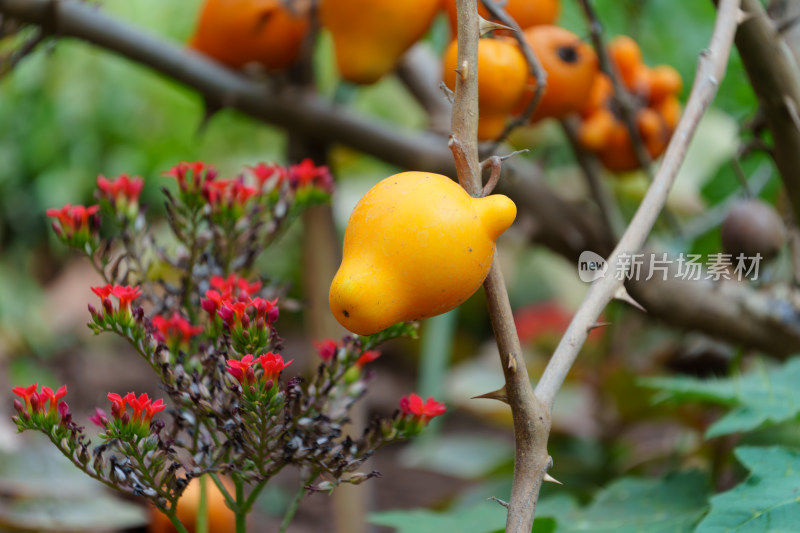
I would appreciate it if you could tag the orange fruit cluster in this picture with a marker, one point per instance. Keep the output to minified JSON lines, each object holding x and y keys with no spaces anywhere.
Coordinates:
{"x":655,"y":90}
{"x":238,"y":32}
{"x":505,"y":86}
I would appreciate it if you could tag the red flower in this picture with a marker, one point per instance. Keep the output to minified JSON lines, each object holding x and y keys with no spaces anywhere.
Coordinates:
{"x":263,"y":172}
{"x":26,"y":393}
{"x":228,"y":193}
{"x":122,"y":191}
{"x":227,"y":288}
{"x":244,"y":372}
{"x":242,"y":369}
{"x":367,"y":357}
{"x":103,"y":292}
{"x":99,"y":418}
{"x":123,"y":293}
{"x":273,"y":365}
{"x":326,"y":349}
{"x":307,"y":174}
{"x":53,"y":397}
{"x":35,"y":402}
{"x":266,"y":310}
{"x":143,"y":409}
{"x":201,"y":174}
{"x":126,"y":295}
{"x":176,"y":327}
{"x":212,"y":302}
{"x":75,"y":223}
{"x":414,"y":406}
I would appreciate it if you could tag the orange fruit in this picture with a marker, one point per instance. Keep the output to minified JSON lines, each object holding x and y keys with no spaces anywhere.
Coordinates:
{"x":599,"y":96}
{"x":595,"y":131}
{"x":237,"y":32}
{"x":571,"y":67}
{"x":627,"y":58}
{"x":526,"y":13}
{"x":670,"y":110}
{"x":502,"y":78}
{"x":221,"y":518}
{"x":664,"y":82}
{"x":371,"y":36}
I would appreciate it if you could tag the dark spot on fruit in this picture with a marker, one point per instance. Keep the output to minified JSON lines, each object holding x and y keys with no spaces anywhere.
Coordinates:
{"x":469,"y":249}
{"x":568,"y":54}
{"x":346,"y":314}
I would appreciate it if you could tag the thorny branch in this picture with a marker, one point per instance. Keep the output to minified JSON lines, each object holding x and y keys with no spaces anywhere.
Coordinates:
{"x":531,"y":417}
{"x":711,"y":69}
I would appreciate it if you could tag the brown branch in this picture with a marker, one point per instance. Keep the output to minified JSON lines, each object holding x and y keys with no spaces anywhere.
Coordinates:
{"x":711,"y":69}
{"x":622,"y":98}
{"x":531,"y":417}
{"x":776,"y":81}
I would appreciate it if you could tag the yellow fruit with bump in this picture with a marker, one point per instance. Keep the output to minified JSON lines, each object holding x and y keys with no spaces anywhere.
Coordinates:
{"x":417,"y":245}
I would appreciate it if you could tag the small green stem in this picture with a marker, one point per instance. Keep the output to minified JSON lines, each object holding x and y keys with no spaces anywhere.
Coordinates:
{"x":251,"y":499}
{"x":201,"y":522}
{"x":176,"y":523}
{"x":292,"y":510}
{"x":241,"y":513}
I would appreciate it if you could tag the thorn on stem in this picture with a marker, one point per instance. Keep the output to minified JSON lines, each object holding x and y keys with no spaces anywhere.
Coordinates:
{"x":512,"y":363}
{"x":499,"y":395}
{"x":551,"y":479}
{"x":623,"y":296}
{"x":597,"y":325}
{"x":463,"y":70}
{"x":487,"y":26}
{"x":498,"y":500}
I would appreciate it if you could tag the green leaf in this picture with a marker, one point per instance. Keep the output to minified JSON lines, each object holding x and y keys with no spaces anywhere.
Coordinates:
{"x":768,"y":501}
{"x":757,"y":399}
{"x":672,"y":504}
{"x":485,"y":517}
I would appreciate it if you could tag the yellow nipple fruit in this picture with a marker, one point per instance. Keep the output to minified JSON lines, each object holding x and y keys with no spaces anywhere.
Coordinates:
{"x":417,"y":245}
{"x":370,"y":35}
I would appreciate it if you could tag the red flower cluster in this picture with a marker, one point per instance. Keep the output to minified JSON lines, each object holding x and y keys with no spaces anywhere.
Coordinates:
{"x":174,"y":329}
{"x":122,"y":192}
{"x":304,"y":174}
{"x":413,"y":406}
{"x":234,"y":287}
{"x":35,"y":402}
{"x":143,"y":407}
{"x":228,"y":194}
{"x":125,"y":425}
{"x":272,"y":363}
{"x":307,"y":174}
{"x":255,"y":311}
{"x":192,"y":177}
{"x":75,"y":224}
{"x":123,"y":293}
